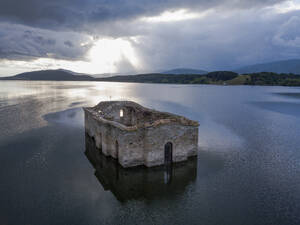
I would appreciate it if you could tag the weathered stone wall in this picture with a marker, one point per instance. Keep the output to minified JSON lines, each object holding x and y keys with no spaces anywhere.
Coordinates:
{"x":141,"y":146}
{"x":130,"y":144}
{"x":184,"y":141}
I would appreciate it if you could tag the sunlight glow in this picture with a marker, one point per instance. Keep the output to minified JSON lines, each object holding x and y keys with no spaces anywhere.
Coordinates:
{"x":288,"y":6}
{"x":172,"y":16}
{"x":105,"y":56}
{"x":107,"y":53}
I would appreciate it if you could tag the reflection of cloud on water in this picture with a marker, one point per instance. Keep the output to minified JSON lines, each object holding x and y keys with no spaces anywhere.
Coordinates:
{"x":70,"y":117}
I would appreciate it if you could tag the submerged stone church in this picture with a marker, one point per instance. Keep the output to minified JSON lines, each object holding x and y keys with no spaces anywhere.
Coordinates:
{"x":135,"y":135}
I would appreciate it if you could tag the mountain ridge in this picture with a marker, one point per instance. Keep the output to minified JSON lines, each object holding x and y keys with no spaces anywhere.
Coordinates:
{"x":55,"y":75}
{"x":215,"y":78}
{"x":282,"y":66}
{"x":185,"y":71}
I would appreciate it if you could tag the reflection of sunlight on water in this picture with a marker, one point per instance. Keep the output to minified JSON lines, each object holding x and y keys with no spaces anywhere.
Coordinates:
{"x":247,"y":169}
{"x":27,"y":101}
{"x":89,"y":92}
{"x":210,"y":105}
{"x":10,"y":90}
{"x":195,"y":102}
{"x":107,"y":91}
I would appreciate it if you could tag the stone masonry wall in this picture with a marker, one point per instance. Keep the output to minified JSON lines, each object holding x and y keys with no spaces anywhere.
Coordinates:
{"x":145,"y":146}
{"x":184,"y":141}
{"x":129,"y":149}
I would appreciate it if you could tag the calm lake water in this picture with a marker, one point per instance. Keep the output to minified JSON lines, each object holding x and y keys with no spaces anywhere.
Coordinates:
{"x":247,"y":170}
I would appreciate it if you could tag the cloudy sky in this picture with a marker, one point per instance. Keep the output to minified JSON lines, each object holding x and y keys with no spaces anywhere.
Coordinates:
{"x":109,"y":36}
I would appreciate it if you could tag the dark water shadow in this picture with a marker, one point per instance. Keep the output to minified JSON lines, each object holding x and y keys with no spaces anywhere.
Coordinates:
{"x":288,"y":108}
{"x":289,"y":94}
{"x":76,"y":103}
{"x":140,"y":182}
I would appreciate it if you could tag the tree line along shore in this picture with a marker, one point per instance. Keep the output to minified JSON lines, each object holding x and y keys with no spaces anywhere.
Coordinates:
{"x":216,"y":78}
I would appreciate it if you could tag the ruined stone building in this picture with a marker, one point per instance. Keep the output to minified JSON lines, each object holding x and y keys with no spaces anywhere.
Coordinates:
{"x":135,"y":135}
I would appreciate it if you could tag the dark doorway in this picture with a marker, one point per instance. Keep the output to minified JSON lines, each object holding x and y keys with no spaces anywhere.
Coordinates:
{"x":168,"y":153}
{"x":117,"y":160}
{"x":117,"y":150}
{"x":100,"y":142}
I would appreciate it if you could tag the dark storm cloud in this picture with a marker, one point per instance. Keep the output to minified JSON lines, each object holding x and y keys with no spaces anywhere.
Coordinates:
{"x":79,"y":14}
{"x":233,"y":34}
{"x":40,"y":40}
{"x":223,"y":42}
{"x":19,"y":42}
{"x":288,"y":34}
{"x":69,"y":44}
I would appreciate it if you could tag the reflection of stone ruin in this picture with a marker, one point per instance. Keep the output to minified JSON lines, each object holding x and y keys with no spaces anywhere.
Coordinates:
{"x":136,"y":135}
{"x":139,"y":183}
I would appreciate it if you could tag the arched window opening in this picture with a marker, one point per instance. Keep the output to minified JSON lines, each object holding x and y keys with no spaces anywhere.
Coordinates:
{"x":121,"y":113}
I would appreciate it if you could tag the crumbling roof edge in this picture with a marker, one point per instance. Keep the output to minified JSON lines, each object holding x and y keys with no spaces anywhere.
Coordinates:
{"x":181,"y":120}
{"x":96,"y":116}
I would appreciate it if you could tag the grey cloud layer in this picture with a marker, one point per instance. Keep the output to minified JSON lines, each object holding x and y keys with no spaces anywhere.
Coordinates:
{"x":235,"y":33}
{"x":223,"y":42}
{"x":79,"y":14}
{"x":20,"y":42}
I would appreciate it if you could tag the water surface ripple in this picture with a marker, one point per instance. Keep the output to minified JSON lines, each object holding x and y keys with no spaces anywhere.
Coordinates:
{"x":247,"y":170}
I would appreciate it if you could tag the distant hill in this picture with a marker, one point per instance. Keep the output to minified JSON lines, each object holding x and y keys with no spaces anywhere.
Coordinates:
{"x":72,"y":72}
{"x":286,"y":66}
{"x":55,"y":75}
{"x":216,"y":78}
{"x":185,"y":71}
